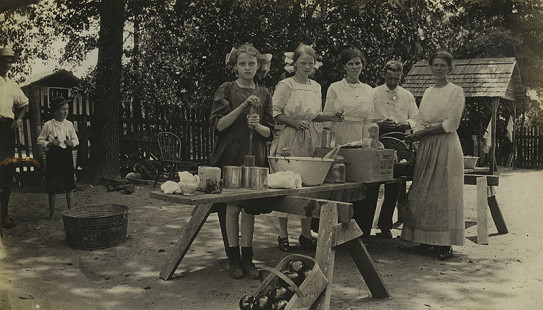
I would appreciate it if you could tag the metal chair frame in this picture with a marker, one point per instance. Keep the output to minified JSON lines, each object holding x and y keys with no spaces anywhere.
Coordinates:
{"x":169,"y":145}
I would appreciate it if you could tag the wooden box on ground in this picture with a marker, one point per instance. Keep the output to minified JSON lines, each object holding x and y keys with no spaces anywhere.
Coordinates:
{"x":306,"y":293}
{"x":368,"y":165}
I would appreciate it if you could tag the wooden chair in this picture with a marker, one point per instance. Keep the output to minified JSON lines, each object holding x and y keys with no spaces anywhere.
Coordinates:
{"x":169,"y":145}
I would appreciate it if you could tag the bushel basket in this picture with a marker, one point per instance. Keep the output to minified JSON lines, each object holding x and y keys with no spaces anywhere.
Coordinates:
{"x":306,"y":292}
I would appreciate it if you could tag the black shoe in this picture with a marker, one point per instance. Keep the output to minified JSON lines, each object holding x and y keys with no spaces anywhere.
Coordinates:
{"x":385,"y":234}
{"x":421,"y":249}
{"x":234,"y":263}
{"x":283,"y":244}
{"x":308,"y":243}
{"x":444,"y":252}
{"x":249,"y":268}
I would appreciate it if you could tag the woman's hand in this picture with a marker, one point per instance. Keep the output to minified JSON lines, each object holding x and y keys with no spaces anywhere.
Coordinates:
{"x":69,"y":143}
{"x":300,"y":125}
{"x":56,"y":142}
{"x":253,"y":120}
{"x":417,"y":135}
{"x":252,"y":101}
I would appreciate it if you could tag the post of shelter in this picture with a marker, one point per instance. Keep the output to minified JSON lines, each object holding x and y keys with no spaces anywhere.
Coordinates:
{"x":494,"y":112}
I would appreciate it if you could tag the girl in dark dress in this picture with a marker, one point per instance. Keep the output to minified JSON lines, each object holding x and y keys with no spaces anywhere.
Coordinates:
{"x":58,"y":138}
{"x":232,"y":123}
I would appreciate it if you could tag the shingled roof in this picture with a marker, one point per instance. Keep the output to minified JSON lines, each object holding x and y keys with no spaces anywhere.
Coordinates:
{"x":481,"y":77}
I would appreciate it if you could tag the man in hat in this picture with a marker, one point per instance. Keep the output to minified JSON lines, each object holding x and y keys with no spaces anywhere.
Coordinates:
{"x":13,"y":105}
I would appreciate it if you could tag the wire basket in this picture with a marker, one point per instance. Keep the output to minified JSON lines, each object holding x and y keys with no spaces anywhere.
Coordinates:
{"x":405,"y":155}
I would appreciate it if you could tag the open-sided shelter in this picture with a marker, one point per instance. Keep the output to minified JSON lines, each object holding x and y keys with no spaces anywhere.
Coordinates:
{"x":493,"y":81}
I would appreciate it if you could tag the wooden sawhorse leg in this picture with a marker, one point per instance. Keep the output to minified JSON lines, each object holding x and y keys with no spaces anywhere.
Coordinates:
{"x":332,"y":234}
{"x":486,"y":196}
{"x":495,"y":211}
{"x":176,"y":254}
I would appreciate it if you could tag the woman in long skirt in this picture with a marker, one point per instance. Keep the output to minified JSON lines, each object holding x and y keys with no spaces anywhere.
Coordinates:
{"x":435,"y":215}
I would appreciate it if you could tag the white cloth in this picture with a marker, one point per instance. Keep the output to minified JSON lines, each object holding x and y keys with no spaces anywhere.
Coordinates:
{"x":397,"y":105}
{"x":509,"y":129}
{"x":355,"y":100}
{"x":487,"y":138}
{"x":11,"y":98}
{"x":284,"y":179}
{"x":61,"y":130}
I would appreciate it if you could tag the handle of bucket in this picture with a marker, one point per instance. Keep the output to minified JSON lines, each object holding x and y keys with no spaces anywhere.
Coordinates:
{"x":286,"y":279}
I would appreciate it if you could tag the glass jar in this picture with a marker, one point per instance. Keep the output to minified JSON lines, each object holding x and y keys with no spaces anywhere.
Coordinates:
{"x":336,"y":174}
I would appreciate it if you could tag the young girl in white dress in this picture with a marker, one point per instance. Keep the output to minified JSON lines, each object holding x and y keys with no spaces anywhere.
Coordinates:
{"x":297,"y":103}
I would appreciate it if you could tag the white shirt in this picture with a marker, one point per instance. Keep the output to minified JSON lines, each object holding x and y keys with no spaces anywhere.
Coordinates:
{"x":397,"y":104}
{"x":441,"y":105}
{"x":11,"y":98}
{"x":61,"y":130}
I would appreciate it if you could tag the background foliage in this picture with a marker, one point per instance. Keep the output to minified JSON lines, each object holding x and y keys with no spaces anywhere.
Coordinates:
{"x":174,"y":50}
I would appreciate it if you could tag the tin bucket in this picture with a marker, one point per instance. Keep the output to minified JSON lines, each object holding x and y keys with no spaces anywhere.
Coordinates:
{"x":95,"y":226}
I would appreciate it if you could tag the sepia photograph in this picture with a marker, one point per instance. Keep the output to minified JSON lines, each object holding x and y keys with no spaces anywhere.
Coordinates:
{"x":271,"y":154}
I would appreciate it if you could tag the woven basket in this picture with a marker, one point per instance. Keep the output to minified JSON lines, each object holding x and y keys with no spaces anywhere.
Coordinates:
{"x":306,"y":293}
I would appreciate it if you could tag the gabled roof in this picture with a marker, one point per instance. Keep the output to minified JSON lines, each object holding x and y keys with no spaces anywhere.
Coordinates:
{"x":60,"y":78}
{"x":480,"y":77}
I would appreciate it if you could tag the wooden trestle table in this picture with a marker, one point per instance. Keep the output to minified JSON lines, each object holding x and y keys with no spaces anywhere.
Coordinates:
{"x":336,"y":226}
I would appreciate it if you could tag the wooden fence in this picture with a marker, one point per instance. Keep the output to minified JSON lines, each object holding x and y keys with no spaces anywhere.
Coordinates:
{"x":529,"y":147}
{"x":137,"y":140}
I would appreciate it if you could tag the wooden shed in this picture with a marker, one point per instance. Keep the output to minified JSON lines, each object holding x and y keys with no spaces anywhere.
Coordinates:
{"x":493,"y":81}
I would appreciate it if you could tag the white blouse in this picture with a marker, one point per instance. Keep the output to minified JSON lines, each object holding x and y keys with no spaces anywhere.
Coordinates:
{"x":61,"y":130}
{"x":441,"y":105}
{"x":355,"y":100}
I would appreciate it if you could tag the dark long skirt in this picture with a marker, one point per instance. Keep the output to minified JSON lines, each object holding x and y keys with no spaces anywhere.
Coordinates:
{"x":59,"y":170}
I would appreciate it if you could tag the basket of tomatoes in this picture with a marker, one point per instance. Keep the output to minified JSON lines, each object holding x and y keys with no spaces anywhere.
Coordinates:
{"x":295,"y":283}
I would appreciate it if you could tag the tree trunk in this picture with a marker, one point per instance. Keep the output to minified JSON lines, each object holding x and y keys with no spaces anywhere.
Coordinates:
{"x":104,"y":159}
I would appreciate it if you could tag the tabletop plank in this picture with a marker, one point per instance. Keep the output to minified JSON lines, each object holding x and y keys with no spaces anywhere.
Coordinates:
{"x":239,"y":194}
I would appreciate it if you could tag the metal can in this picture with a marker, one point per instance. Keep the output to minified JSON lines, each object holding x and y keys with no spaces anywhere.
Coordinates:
{"x":259,"y":177}
{"x":232,"y":176}
{"x":246,"y":176}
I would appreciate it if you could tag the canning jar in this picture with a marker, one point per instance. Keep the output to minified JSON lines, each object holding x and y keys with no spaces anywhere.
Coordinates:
{"x":336,"y":174}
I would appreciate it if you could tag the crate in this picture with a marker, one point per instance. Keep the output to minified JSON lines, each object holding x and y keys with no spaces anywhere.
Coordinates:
{"x":307,"y":292}
{"x":368,"y":165}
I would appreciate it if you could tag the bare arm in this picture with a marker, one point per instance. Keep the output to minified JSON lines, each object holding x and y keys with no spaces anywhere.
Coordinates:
{"x":227,"y":120}
{"x":428,"y":131}
{"x":19,"y":113}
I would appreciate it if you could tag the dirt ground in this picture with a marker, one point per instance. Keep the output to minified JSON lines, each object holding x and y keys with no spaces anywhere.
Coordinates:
{"x":39,"y":271}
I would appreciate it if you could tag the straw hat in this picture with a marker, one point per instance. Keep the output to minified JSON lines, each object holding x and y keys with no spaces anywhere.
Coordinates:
{"x":6,"y":53}
{"x":57,"y":102}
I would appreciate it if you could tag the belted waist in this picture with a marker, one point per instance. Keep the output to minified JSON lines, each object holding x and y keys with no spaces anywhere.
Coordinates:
{"x":353,"y":119}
